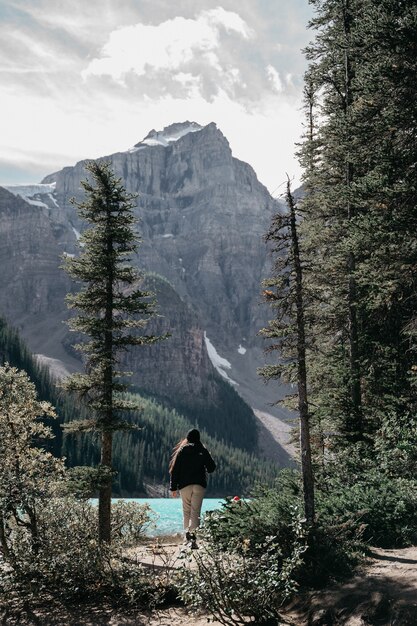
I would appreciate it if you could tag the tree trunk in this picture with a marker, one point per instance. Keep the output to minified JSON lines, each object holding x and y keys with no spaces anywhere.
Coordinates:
{"x":305,"y":446}
{"x":3,"y":542}
{"x":107,"y":435}
{"x":33,"y":527}
{"x":104,"y":502}
{"x":355,"y":423}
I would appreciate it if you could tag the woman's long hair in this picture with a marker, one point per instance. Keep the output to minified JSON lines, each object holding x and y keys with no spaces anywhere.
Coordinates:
{"x":175,"y":452}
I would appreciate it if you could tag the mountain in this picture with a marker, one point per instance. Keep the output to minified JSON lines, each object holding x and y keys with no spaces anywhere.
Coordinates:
{"x":203,"y":216}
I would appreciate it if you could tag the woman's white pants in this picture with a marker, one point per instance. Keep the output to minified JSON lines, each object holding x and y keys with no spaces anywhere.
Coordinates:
{"x":192,"y":499}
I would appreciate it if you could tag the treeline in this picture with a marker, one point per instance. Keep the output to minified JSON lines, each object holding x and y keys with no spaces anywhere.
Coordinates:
{"x":142,"y":456}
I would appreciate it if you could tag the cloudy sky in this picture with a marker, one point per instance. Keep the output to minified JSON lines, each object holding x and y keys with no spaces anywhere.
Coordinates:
{"x":86,"y":78}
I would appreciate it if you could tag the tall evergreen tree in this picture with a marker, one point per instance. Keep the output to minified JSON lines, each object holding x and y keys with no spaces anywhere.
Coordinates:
{"x":330,"y":177}
{"x":359,"y":228}
{"x":113,"y":310}
{"x":385,"y":231}
{"x":288,"y":328}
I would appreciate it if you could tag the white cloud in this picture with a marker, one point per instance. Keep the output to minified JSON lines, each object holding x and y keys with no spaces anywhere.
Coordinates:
{"x":229,"y":20}
{"x":77,"y":20}
{"x":147,"y":64}
{"x":172,"y":45}
{"x":38,"y":49}
{"x":274,"y":78}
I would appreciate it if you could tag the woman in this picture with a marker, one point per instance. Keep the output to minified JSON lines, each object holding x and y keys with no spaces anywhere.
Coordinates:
{"x":188,"y":468}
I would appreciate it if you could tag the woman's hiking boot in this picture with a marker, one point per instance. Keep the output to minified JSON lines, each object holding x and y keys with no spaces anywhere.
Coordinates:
{"x":191,"y":540}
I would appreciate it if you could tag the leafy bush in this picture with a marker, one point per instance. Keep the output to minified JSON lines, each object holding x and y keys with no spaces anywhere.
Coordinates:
{"x":332,"y":546}
{"x":67,"y":559}
{"x":48,"y":539}
{"x":251,"y":582}
{"x":270,"y":512}
{"x":384,"y":508}
{"x":334,"y":550}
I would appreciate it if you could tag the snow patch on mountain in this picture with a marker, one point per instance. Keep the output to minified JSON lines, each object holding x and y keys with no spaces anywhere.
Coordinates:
{"x":218,"y":361}
{"x":241,"y":349}
{"x":169,"y":135}
{"x":52,"y":199}
{"x":31,"y":192}
{"x":35,"y":202}
{"x":28,"y":191}
{"x":78,"y":235}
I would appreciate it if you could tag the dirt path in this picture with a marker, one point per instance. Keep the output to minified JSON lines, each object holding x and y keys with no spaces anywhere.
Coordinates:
{"x":383,"y":593}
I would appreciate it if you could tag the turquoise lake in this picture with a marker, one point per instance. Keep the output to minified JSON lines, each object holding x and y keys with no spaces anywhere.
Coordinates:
{"x":169,"y":513}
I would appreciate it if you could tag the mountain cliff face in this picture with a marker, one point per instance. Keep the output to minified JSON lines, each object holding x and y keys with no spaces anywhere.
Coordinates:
{"x":203,"y":214}
{"x":178,"y":366}
{"x":32,"y":286}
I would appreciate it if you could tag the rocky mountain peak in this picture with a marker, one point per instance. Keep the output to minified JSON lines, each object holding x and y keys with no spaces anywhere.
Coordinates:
{"x":169,"y":134}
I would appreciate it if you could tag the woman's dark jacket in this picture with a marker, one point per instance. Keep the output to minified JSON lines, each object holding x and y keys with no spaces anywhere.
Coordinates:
{"x":191,"y":466}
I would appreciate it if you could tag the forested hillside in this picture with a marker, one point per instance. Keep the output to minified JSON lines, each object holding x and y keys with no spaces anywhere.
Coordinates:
{"x":140,"y":457}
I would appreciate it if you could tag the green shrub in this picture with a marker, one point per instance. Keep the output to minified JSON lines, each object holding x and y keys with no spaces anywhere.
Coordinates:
{"x":384,"y":508}
{"x":270,"y":512}
{"x":251,"y":582}
{"x":333,"y":546}
{"x":48,"y":539}
{"x":67,"y":559}
{"x":334,"y":550}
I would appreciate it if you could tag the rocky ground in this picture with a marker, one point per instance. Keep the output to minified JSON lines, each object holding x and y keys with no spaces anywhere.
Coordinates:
{"x":382,"y":593}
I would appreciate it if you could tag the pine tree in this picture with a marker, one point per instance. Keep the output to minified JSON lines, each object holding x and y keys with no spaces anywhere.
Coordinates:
{"x":112,"y":311}
{"x":359,"y":227}
{"x":288,"y":328}
{"x":330,"y":204}
{"x":385,"y":119}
